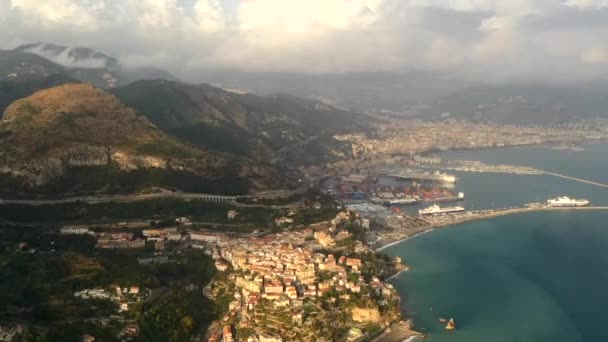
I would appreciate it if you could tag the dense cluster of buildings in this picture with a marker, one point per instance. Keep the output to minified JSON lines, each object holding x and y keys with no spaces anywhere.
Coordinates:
{"x":412,"y":137}
{"x":123,"y":297}
{"x":287,"y":270}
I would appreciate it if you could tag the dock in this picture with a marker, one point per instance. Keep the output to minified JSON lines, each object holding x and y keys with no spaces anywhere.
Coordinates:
{"x":575,"y":179}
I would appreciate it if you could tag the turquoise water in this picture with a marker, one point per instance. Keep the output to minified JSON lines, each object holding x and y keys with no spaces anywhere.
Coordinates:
{"x":531,"y":277}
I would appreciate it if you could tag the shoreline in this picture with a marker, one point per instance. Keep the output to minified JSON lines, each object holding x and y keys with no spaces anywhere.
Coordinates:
{"x":484,"y":216}
{"x":480,"y":217}
{"x":428,"y":230}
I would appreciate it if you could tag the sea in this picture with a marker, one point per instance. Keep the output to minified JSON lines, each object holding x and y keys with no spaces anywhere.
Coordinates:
{"x":531,"y":277}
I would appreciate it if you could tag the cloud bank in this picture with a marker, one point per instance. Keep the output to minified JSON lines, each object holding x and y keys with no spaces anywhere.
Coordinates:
{"x":497,"y":39}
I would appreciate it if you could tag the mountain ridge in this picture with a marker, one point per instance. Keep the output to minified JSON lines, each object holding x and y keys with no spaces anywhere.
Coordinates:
{"x":257,"y":126}
{"x":76,"y":130}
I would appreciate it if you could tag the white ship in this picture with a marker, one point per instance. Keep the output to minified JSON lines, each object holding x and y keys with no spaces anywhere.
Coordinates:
{"x":444,"y":177}
{"x":403,"y":201}
{"x":565,"y":201}
{"x":435,"y":209}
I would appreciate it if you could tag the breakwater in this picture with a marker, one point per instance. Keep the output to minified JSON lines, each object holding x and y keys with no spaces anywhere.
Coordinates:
{"x":398,"y":236}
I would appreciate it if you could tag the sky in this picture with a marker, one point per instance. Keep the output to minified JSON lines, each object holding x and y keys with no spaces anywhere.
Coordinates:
{"x":536,"y":39}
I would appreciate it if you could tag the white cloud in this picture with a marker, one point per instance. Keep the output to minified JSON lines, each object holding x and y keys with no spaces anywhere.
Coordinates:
{"x":595,"y":55}
{"x":82,"y":14}
{"x":65,"y":59}
{"x":209,"y":15}
{"x":587,"y":4}
{"x":495,"y":36}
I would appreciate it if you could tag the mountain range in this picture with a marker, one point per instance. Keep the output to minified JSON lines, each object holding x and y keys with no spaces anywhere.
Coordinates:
{"x":429,"y":95}
{"x":60,"y":135}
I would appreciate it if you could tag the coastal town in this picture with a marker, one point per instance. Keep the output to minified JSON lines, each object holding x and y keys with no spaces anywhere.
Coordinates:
{"x":327,"y":280}
{"x":283,"y":286}
{"x":289,"y":286}
{"x":291,"y":265}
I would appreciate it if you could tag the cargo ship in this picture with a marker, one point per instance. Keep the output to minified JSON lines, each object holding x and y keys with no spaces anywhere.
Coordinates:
{"x":435,"y":209}
{"x":403,"y":201}
{"x":444,"y":197}
{"x":565,"y":201}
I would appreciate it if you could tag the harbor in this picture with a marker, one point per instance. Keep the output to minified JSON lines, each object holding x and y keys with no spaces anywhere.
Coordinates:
{"x":410,"y":202}
{"x":405,"y":202}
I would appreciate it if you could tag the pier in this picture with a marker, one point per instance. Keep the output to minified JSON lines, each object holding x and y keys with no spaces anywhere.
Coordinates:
{"x":575,"y":179}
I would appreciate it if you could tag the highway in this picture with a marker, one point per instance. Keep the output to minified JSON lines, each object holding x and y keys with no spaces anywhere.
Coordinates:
{"x":158,"y":195}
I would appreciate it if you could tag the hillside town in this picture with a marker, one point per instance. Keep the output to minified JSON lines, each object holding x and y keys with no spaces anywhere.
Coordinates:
{"x":283,"y":288}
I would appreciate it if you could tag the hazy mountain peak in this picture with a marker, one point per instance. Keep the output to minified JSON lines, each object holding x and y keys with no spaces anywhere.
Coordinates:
{"x":71,"y":57}
{"x":90,"y":66}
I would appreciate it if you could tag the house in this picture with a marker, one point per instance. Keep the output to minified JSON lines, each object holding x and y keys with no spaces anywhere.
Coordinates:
{"x":297,"y":317}
{"x":365,"y":223}
{"x":78,"y":230}
{"x":353,"y":262}
{"x":273,"y":287}
{"x":161,"y":259}
{"x":227,"y":334}
{"x":221,"y":266}
{"x":176,"y":236}
{"x":203,"y":236}
{"x":88,"y":338}
{"x":342,"y":235}
{"x":269,"y":338}
{"x":323,"y":238}
{"x":232,"y":214}
{"x":153,"y":232}
{"x":281,"y":302}
{"x":291,"y":292}
{"x":354,"y":334}
{"x":283,"y":220}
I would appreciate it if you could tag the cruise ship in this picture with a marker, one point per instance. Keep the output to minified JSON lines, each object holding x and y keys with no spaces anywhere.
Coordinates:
{"x":435,"y":209}
{"x":565,"y":201}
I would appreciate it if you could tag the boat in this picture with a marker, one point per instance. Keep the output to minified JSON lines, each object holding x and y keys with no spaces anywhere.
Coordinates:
{"x":447,"y":197}
{"x":565,"y":201}
{"x":403,"y":201}
{"x":444,"y":177}
{"x":451,"y":325}
{"x":435,"y":209}
{"x":442,"y":320}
